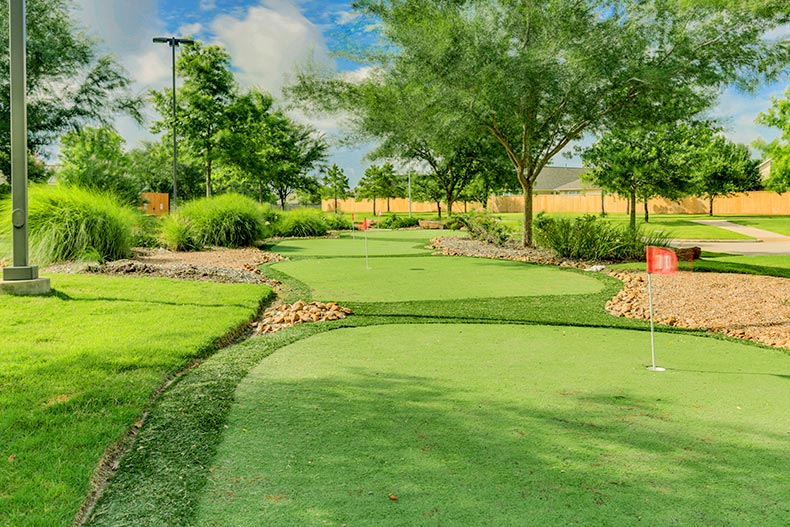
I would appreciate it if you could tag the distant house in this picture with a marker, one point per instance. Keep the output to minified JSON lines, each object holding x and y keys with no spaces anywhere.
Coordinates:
{"x":765,"y":169}
{"x":563,"y":180}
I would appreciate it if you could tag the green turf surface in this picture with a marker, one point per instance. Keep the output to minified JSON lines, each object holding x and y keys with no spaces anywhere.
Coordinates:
{"x":379,"y":243}
{"x":505,"y":425}
{"x":77,"y":369}
{"x":432,"y":278}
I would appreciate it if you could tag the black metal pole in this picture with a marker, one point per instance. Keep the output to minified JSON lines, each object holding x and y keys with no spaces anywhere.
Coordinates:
{"x":175,"y":141}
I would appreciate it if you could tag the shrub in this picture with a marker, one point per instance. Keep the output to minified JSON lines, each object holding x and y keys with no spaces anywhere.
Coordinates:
{"x":302,"y":223}
{"x":145,"y":232}
{"x":589,"y":238}
{"x":486,"y":228}
{"x":227,"y":220}
{"x":71,"y":223}
{"x":177,"y":234}
{"x":394,"y":221}
{"x":337,"y":222}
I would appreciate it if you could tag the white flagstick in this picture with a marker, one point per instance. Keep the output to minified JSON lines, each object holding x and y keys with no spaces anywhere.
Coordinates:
{"x":366,"y":248}
{"x":652,"y":333}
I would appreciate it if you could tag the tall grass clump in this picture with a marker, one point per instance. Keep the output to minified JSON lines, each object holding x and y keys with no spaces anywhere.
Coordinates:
{"x":303,"y":223}
{"x":398,"y":222}
{"x":590,"y":238}
{"x":336,"y":221}
{"x":177,"y":234}
{"x":227,"y":220}
{"x":71,"y":223}
{"x":486,"y":228}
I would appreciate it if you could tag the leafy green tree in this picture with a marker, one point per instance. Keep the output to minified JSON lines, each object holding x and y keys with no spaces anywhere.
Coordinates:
{"x":723,"y":168}
{"x":335,"y":185}
{"x":295,"y":150}
{"x":151,"y":164}
{"x":640,"y":164}
{"x":68,"y":83}
{"x":249,"y":142}
{"x":778,"y":150}
{"x":95,"y":158}
{"x":538,"y":75}
{"x":380,"y":182}
{"x":203,"y":101}
{"x":427,"y":188}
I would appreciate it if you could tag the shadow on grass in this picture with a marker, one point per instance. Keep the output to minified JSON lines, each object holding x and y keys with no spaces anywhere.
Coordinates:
{"x":332,"y":450}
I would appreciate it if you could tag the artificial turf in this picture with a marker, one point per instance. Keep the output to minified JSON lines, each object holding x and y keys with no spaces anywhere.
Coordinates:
{"x":505,"y":425}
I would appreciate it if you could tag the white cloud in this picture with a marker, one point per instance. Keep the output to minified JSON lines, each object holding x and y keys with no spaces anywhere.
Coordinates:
{"x":208,"y":5}
{"x":190,"y":29}
{"x":346,"y":17}
{"x":269,"y":42}
{"x":737,"y":112}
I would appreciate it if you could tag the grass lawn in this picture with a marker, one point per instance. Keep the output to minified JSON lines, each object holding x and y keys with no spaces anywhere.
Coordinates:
{"x":432,"y":278}
{"x":505,"y":425}
{"x":78,"y":367}
{"x":778,"y":224}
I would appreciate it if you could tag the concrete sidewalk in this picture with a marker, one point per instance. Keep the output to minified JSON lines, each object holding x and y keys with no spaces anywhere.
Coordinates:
{"x":766,"y":242}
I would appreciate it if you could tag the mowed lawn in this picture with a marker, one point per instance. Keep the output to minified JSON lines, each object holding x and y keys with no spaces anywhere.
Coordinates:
{"x":462,"y":425}
{"x":79,"y":367}
{"x":378,"y":243}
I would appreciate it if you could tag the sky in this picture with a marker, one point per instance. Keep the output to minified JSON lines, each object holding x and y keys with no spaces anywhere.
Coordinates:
{"x":266,"y":39}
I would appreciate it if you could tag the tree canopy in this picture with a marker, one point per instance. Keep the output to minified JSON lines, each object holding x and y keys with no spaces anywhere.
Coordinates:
{"x":69,"y":84}
{"x":536,"y":76}
{"x":778,"y":150}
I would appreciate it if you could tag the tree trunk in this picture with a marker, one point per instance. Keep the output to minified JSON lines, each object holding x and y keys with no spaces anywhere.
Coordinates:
{"x":374,"y":207}
{"x":208,"y":177}
{"x":710,"y":208}
{"x":260,"y":193}
{"x":335,"y":203}
{"x":632,"y":209}
{"x":388,"y":205}
{"x":465,"y":211}
{"x":439,"y":208}
{"x":603,"y":203}
{"x":647,"y":213}
{"x":526,"y":233}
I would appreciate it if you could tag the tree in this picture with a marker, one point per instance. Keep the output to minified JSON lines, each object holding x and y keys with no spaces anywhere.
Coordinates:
{"x":151,"y":164}
{"x":723,"y":168}
{"x":68,"y":83}
{"x":538,"y":75}
{"x":248,"y":143}
{"x":778,"y":150}
{"x":639,"y":163}
{"x":335,"y":185}
{"x":95,"y":158}
{"x":380,"y":182}
{"x":208,"y":90}
{"x":295,"y":150}
{"x":427,"y":188}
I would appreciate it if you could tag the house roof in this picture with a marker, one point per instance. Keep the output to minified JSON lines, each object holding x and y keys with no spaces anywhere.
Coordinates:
{"x":560,"y":178}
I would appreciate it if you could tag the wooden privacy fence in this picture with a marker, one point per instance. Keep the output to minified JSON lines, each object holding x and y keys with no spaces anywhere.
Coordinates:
{"x":155,"y":203}
{"x":751,"y":203}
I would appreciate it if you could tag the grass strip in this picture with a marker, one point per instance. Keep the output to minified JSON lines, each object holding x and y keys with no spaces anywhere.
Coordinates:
{"x":78,"y":367}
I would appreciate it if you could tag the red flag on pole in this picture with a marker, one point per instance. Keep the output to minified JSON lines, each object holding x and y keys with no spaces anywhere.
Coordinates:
{"x":661,"y":260}
{"x":364,"y":225}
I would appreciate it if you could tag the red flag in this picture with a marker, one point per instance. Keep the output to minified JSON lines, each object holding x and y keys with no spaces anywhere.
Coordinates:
{"x":364,"y":225}
{"x":352,"y":217}
{"x":661,"y":260}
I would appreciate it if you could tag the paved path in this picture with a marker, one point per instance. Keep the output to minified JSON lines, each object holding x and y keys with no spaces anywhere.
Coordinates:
{"x":765,"y":242}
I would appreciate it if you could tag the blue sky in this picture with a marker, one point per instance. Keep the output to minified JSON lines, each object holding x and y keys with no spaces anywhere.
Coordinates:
{"x":265,"y":38}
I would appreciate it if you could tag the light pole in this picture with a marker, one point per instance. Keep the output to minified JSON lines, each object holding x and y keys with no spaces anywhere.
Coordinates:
{"x":174,"y":42}
{"x":22,"y":278}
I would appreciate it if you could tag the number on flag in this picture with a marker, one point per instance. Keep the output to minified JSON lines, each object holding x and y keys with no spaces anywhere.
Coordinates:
{"x":661,"y":260}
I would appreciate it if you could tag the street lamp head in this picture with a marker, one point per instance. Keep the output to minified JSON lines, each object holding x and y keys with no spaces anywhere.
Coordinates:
{"x":173,"y":41}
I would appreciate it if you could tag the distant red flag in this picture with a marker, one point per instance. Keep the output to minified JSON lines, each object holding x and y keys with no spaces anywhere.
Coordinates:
{"x":661,"y":260}
{"x":352,"y":217}
{"x":363,"y":226}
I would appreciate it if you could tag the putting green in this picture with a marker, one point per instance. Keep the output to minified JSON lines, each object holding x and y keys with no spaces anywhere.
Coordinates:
{"x":433,"y":278}
{"x":505,"y":425}
{"x":380,"y":243}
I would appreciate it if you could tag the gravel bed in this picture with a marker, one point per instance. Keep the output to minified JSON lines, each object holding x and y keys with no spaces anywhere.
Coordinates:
{"x":755,"y":308}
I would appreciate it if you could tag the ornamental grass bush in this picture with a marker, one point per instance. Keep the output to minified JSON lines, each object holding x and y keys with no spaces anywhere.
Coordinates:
{"x":177,"y":234}
{"x":486,"y":228}
{"x":227,"y":220}
{"x":590,"y":238}
{"x":72,"y":223}
{"x":302,"y":223}
{"x":398,"y":222}
{"x":336,"y":221}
